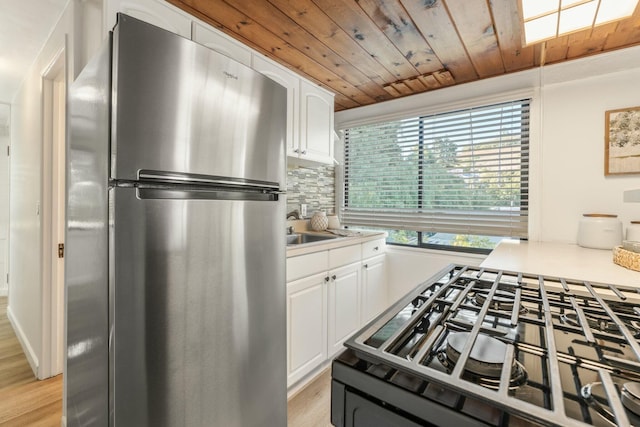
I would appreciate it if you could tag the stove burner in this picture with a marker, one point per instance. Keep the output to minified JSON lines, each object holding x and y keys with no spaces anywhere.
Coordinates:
{"x":588,"y":394}
{"x":502,"y":300}
{"x":600,"y":324}
{"x":631,"y":397}
{"x":484,"y":365}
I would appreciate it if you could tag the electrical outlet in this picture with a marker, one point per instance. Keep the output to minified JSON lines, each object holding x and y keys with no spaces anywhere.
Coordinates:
{"x":303,"y":210}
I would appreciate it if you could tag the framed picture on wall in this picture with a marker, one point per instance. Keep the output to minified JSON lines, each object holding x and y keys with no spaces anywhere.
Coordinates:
{"x":622,"y":141}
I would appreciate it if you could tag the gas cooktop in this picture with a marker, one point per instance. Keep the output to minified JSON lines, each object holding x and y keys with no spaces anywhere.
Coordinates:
{"x":500,"y":348}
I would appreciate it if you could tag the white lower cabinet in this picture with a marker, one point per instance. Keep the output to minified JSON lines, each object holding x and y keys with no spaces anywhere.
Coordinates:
{"x":330,"y":295}
{"x":344,"y":305}
{"x":374,"y":287}
{"x":306,"y":326}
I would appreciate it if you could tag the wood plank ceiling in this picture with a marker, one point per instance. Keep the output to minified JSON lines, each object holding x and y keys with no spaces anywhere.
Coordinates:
{"x":368,"y":51}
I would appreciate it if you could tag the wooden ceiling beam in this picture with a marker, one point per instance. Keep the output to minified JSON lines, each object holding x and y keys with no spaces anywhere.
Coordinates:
{"x":508,"y":28}
{"x":435,"y":25}
{"x":474,"y":26}
{"x":311,"y":17}
{"x":351,"y":18}
{"x":397,"y":25}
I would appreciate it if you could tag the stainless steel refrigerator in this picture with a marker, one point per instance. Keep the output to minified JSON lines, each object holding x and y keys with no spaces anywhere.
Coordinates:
{"x":175,"y":251}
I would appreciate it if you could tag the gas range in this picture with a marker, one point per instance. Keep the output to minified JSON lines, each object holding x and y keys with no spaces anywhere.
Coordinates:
{"x":474,"y":346}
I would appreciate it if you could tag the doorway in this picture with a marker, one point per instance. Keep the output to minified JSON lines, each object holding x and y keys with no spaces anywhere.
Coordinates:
{"x":53,"y":215}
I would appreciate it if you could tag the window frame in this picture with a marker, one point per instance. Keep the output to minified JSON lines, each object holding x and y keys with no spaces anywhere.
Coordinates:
{"x":525,"y":153}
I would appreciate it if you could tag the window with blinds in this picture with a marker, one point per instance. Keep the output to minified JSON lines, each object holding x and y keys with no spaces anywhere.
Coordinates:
{"x":455,"y":179}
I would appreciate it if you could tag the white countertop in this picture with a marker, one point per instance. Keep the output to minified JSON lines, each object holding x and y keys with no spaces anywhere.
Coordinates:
{"x":338,"y":242}
{"x":560,"y":260}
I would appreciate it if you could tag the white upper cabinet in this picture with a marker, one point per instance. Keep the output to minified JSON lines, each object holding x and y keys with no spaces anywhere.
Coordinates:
{"x":291,"y":81}
{"x":316,"y":124}
{"x":220,"y":42}
{"x":310,"y":113}
{"x":158,"y":13}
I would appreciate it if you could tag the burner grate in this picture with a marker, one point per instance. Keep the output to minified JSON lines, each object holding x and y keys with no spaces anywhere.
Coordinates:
{"x":527,"y":315}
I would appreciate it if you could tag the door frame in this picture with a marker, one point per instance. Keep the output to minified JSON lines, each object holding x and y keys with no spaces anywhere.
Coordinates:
{"x":4,"y":275}
{"x":52,"y":219}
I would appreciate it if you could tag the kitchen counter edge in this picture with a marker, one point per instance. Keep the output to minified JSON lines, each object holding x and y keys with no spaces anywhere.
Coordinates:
{"x":564,"y":260}
{"x":338,"y":242}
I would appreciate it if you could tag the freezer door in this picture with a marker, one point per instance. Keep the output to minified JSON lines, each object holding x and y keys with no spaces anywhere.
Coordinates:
{"x":181,"y":107}
{"x":198,"y":312}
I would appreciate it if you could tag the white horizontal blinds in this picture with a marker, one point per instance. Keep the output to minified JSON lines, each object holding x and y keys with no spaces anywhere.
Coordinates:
{"x":463,"y":172}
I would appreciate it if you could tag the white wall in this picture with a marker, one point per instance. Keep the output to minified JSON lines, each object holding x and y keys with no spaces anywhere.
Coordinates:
{"x":572,"y":180}
{"x":25,"y":289}
{"x":408,"y":267}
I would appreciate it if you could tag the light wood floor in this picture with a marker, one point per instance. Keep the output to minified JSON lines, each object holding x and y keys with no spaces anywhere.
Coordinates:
{"x":25,"y":401}
{"x":312,"y":406}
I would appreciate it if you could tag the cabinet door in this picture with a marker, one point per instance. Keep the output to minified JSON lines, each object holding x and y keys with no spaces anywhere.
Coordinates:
{"x":343,"y":305}
{"x":291,"y":82}
{"x":156,"y":12}
{"x":374,"y":287}
{"x":316,"y":124}
{"x":306,"y":326}
{"x":221,"y":43}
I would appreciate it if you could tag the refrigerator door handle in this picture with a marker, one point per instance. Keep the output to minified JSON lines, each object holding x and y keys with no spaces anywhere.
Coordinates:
{"x":209,"y":180}
{"x":145,"y":191}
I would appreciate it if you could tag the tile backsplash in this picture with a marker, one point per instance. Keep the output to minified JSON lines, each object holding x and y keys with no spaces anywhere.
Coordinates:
{"x":314,"y":186}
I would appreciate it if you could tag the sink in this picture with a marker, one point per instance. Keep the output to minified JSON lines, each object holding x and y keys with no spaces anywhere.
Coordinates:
{"x":298,"y":239}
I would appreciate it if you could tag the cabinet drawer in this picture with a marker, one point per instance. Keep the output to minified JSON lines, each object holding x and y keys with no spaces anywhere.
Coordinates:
{"x":306,"y":265}
{"x":343,"y":256}
{"x":373,"y":248}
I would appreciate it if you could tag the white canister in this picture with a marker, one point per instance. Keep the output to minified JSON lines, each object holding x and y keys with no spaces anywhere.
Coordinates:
{"x":319,"y":221}
{"x":334,"y":222}
{"x":599,"y":231}
{"x":633,"y":231}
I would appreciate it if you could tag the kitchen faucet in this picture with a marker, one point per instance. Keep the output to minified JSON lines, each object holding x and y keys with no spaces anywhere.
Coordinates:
{"x":293,"y":215}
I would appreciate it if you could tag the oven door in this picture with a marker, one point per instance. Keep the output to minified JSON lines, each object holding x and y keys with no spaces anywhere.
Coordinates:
{"x":361,"y":412}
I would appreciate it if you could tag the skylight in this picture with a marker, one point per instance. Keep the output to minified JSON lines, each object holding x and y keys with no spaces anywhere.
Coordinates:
{"x":547,"y":19}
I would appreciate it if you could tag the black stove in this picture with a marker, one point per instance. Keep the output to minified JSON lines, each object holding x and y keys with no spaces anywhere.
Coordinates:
{"x":474,"y":346}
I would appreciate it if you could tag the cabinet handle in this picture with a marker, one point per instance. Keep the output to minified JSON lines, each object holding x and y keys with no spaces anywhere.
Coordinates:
{"x":375,"y":249}
{"x":366,"y":266}
{"x":326,"y":279}
{"x":303,"y":152}
{"x":333,"y":277}
{"x":296,"y":150}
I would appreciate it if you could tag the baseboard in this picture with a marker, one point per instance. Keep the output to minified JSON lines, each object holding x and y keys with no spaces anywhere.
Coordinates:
{"x":63,"y":421}
{"x":24,"y":342}
{"x":308,"y":379}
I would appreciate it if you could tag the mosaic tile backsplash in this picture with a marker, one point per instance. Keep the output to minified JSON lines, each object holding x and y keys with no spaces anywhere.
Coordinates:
{"x":314,"y":186}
